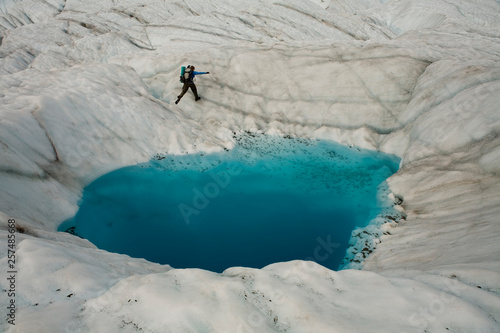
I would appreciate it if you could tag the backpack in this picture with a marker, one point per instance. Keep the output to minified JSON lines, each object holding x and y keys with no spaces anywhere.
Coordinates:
{"x":185,"y":73}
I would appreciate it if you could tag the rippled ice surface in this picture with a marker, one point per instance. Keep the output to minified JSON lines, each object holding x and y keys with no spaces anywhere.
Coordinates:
{"x":267,"y":200}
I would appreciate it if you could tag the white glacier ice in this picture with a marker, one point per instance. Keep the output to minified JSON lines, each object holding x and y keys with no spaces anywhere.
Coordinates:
{"x":88,"y":87}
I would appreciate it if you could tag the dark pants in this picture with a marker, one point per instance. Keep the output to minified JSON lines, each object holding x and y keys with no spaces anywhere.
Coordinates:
{"x":185,"y":89}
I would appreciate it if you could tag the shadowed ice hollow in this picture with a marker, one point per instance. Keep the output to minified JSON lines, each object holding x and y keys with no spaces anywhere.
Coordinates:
{"x":268,"y":200}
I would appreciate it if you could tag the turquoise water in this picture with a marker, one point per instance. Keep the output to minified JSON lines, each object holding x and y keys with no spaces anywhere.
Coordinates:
{"x":267,"y":200}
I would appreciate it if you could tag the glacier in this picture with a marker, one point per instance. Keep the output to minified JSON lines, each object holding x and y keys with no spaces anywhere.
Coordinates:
{"x":88,"y":87}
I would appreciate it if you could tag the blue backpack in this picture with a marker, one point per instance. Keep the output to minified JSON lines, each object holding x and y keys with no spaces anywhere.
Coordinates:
{"x":185,"y":73}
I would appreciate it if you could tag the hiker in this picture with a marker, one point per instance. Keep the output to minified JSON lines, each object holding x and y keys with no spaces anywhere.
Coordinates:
{"x":188,"y":79}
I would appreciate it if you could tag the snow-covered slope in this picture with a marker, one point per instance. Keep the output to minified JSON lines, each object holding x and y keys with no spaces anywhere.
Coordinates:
{"x":87,"y":87}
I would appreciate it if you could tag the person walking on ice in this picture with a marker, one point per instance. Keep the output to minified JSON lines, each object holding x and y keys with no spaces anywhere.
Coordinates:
{"x":187,"y":77}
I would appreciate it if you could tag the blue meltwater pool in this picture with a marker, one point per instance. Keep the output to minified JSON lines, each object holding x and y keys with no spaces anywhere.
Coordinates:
{"x":267,"y":200}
